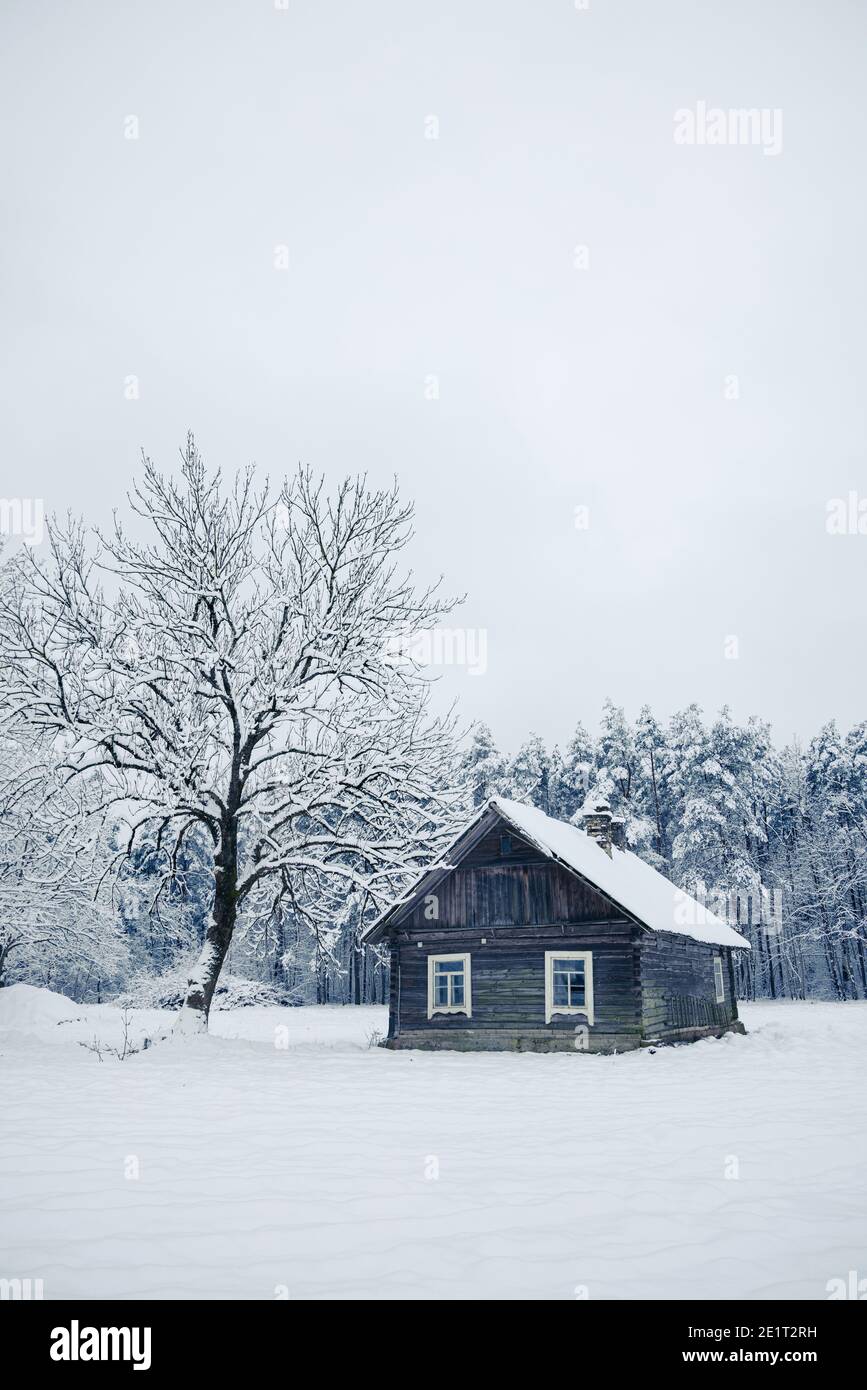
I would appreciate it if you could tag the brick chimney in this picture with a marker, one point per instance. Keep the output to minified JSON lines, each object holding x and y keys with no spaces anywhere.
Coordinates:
{"x":597,"y":824}
{"x":618,"y":832}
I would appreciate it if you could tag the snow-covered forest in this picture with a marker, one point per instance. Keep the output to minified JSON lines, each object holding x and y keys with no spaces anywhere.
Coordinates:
{"x":774,"y":838}
{"x":213,"y":769}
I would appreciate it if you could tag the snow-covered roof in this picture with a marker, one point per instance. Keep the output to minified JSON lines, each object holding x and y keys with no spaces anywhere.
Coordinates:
{"x":633,"y":884}
{"x":636,"y":887}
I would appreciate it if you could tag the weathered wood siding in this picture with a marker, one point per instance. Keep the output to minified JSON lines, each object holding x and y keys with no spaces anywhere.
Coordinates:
{"x":522,"y":888}
{"x":677,"y":987}
{"x":508,"y":990}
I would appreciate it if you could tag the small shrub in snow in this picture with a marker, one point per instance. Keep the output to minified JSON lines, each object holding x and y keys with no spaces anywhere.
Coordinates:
{"x":127,"y":1048}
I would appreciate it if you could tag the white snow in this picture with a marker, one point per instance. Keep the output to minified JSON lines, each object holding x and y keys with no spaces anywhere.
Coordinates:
{"x":731,"y":1168}
{"x":27,"y":1008}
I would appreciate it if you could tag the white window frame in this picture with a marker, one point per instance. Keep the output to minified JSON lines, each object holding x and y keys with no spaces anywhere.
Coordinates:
{"x":467,"y":1006}
{"x":719,"y":986}
{"x":585,"y":1009}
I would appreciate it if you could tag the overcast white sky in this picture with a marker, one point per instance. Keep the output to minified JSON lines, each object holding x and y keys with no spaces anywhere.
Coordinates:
{"x":454,"y":257}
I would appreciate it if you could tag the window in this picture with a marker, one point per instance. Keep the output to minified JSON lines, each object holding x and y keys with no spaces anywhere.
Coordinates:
{"x":568,"y":984}
{"x":505,"y":844}
{"x":719,"y":986}
{"x":448,"y":985}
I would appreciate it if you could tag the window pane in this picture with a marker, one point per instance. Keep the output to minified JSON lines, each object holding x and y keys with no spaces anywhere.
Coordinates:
{"x":449,"y":983}
{"x":569,"y":967}
{"x":568,"y":983}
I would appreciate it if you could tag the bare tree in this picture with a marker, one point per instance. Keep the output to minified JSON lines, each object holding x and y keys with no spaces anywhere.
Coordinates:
{"x":229,"y":677}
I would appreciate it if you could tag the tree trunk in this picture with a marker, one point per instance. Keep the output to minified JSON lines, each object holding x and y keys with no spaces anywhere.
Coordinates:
{"x":193,"y":1017}
{"x":656,"y":803}
{"x":358,"y":967}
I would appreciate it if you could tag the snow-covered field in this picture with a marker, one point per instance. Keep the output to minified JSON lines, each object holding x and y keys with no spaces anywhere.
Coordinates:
{"x":233,"y":1167}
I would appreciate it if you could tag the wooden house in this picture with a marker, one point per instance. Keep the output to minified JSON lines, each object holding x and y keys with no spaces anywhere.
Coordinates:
{"x":533,"y":934}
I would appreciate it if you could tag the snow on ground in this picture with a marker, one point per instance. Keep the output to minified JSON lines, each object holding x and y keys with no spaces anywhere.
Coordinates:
{"x":229,"y":1167}
{"x":23,"y":1008}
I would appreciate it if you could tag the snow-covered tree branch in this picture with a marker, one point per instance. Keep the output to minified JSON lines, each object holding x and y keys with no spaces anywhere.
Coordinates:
{"x":223,"y":675}
{"x":53,"y":926}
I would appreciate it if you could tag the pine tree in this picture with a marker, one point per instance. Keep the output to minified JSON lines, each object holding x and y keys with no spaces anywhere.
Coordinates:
{"x":482,"y":767}
{"x":576,"y":773}
{"x":529,"y":774}
{"x":649,"y":745}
